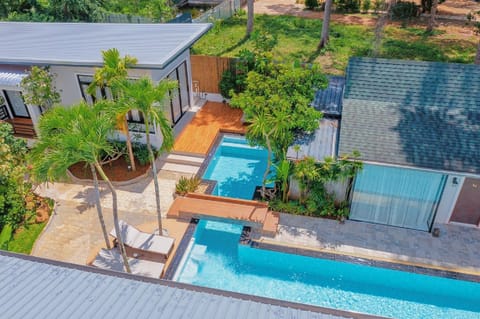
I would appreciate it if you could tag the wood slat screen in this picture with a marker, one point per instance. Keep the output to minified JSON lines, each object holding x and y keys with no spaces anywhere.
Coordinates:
{"x":207,"y":72}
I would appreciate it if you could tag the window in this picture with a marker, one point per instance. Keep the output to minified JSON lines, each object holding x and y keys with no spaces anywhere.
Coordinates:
{"x":17,"y":105}
{"x":179,"y":97}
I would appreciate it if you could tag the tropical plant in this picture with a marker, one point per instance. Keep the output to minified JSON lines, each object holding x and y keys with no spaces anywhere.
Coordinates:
{"x":39,"y":88}
{"x":187,"y":185}
{"x":311,"y":4}
{"x":113,"y":72}
{"x":77,"y":134}
{"x":348,"y":6}
{"x":306,"y":173}
{"x":13,"y":187}
{"x":150,"y":98}
{"x":282,"y":177}
{"x":326,"y":24}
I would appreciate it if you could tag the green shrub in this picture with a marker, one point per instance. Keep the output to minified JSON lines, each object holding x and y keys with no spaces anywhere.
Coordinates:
{"x":227,"y":84}
{"x":187,"y":185}
{"x":405,"y":10}
{"x":348,"y":6}
{"x":311,"y":4}
{"x":378,"y":5}
{"x":366,"y":4}
{"x":140,"y":151}
{"x":5,"y":236}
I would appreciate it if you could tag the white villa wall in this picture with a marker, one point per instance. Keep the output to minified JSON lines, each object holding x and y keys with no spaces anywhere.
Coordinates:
{"x":67,"y":84}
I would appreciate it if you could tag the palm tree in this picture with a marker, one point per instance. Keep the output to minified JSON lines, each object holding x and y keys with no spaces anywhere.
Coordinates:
{"x":250,"y":17}
{"x":71,"y":135}
{"x":270,"y":127}
{"x":115,"y":70}
{"x":326,"y":24}
{"x":148,"y":98}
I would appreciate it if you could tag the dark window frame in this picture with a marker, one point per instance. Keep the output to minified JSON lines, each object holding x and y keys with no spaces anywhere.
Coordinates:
{"x":9,"y":103}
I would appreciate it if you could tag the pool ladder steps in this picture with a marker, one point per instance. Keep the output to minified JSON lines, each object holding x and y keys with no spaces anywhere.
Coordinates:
{"x":182,"y":162}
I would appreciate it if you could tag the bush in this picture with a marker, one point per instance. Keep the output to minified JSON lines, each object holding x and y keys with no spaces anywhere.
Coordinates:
{"x":405,"y":11}
{"x":378,"y":5}
{"x":227,"y":84}
{"x":311,"y":4}
{"x":348,"y":6}
{"x":140,"y":151}
{"x":187,"y":185}
{"x":366,"y":4}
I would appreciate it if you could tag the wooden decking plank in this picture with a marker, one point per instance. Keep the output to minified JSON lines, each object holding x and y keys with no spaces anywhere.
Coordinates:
{"x":199,"y":135}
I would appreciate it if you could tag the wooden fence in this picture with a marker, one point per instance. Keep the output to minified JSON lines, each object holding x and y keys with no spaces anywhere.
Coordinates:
{"x":207,"y":72}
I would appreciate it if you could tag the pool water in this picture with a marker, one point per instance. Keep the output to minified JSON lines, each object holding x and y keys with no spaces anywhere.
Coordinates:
{"x":216,"y":260}
{"x":237,"y":167}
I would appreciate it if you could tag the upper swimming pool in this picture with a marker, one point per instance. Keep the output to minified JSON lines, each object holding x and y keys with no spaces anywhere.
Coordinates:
{"x":237,"y":167}
{"x":216,"y":259}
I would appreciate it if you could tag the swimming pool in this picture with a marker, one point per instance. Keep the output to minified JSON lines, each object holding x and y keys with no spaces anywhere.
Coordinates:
{"x":215,"y":259}
{"x":237,"y":167}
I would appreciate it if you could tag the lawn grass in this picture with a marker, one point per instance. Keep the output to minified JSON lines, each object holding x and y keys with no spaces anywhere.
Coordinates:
{"x":298,"y":39}
{"x":24,"y":238}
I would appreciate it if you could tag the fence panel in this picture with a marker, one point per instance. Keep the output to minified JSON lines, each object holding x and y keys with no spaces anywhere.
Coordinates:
{"x":207,"y":72}
{"x":224,"y":10}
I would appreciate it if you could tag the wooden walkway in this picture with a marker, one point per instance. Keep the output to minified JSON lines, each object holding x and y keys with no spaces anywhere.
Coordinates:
{"x":253,"y":213}
{"x":199,"y":135}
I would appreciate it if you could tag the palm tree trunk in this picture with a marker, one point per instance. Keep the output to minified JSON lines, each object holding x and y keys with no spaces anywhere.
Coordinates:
{"x":325,"y":24}
{"x":269,"y":163}
{"x":99,"y":206}
{"x":129,"y":147}
{"x":155,"y":179}
{"x":115,"y":218}
{"x":433,"y":12}
{"x":477,"y":56}
{"x":249,"y":17}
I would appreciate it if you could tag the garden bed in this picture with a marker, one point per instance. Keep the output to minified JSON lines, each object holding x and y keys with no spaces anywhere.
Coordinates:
{"x":117,"y":171}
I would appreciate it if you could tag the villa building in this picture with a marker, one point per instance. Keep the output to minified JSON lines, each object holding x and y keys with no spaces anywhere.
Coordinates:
{"x":74,"y":50}
{"x":416,"y":126}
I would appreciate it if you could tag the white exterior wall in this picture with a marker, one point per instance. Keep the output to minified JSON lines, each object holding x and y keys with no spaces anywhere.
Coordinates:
{"x":449,"y":199}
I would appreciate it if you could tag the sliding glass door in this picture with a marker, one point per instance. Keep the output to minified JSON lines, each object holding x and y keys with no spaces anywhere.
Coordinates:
{"x":179,"y":97}
{"x":396,"y":196}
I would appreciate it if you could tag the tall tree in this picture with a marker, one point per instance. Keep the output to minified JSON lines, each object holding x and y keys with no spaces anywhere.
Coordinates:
{"x":433,"y":13}
{"x":114,"y":71}
{"x":380,"y":26}
{"x":474,"y":19}
{"x":250,"y":17}
{"x":149,"y":99}
{"x":71,"y":135}
{"x":326,"y":24}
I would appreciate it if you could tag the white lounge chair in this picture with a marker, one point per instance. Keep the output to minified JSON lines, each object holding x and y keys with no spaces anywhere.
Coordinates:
{"x":143,"y":245}
{"x":112,"y":260}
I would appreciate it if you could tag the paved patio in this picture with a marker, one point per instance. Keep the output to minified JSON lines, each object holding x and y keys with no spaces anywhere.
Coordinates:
{"x":456,"y":248}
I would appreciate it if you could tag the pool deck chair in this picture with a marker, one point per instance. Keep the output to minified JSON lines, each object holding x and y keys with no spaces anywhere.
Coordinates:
{"x":112,"y":260}
{"x":144,"y":245}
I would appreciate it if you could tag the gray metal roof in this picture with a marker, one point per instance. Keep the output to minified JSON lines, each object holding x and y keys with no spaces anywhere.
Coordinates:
{"x":319,"y":144}
{"x":31,"y":287}
{"x":411,"y":113}
{"x":329,"y":100}
{"x":154,"y":45}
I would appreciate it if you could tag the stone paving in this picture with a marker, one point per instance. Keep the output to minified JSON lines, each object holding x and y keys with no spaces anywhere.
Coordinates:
{"x":455,"y":249}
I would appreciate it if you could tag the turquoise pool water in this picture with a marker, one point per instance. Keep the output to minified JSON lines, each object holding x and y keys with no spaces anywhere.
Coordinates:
{"x":216,"y":260}
{"x":237,"y":167}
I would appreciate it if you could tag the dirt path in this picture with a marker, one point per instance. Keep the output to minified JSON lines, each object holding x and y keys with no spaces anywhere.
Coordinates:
{"x":456,"y":9}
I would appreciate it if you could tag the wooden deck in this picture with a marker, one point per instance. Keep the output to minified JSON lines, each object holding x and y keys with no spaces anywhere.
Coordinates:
{"x":253,"y":213}
{"x":199,"y":135}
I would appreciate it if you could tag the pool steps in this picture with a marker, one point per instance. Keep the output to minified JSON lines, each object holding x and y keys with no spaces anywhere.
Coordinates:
{"x":182,"y":163}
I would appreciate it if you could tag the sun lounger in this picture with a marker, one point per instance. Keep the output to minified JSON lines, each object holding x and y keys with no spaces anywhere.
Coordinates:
{"x":112,"y":260}
{"x":143,"y":245}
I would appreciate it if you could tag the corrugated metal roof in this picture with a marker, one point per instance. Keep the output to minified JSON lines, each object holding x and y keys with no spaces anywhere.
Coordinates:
{"x":11,"y":78}
{"x":31,"y":287}
{"x":320,"y":144}
{"x":154,"y":45}
{"x":411,"y":113}
{"x":329,"y":100}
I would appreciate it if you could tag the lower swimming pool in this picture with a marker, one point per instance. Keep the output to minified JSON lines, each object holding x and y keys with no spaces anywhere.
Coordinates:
{"x":215,"y":259}
{"x":237,"y":167}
